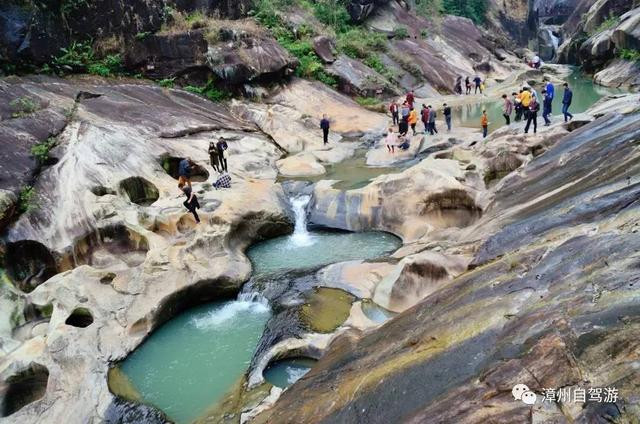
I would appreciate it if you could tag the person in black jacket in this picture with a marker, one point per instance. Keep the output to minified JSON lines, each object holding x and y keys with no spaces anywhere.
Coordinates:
{"x":546,"y":107}
{"x":192,"y":201}
{"x":325,"y":125}
{"x":566,"y":102}
{"x":222,"y":146}
{"x":532,"y":116}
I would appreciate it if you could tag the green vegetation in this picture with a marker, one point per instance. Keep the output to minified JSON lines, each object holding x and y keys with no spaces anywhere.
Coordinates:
{"x":611,"y":22}
{"x":23,"y":106}
{"x":142,"y":35}
{"x":401,"y":32}
{"x":167,"y":82}
{"x":68,"y":6}
{"x":80,"y":57}
{"x":41,"y":151}
{"x":25,"y":199}
{"x":630,"y":54}
{"x":476,"y":10}
{"x":210,"y":91}
{"x":372,"y":103}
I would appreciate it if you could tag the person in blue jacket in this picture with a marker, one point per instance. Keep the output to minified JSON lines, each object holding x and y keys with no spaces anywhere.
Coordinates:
{"x":566,"y":102}
{"x":551,"y":90}
{"x":546,"y":107}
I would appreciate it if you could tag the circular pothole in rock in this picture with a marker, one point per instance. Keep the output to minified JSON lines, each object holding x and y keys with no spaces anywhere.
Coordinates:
{"x":284,"y":372}
{"x":80,"y":317}
{"x":21,"y":389}
{"x":171,"y":165}
{"x":101,"y":190}
{"x":326,"y":309}
{"x":29,"y":263}
{"x":139,"y":190}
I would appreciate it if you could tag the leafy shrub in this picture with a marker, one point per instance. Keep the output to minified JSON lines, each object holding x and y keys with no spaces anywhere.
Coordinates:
{"x":358,"y":43}
{"x":23,"y":106}
{"x":167,"y":82}
{"x":476,"y":10}
{"x":401,"y":33}
{"x":25,"y":199}
{"x":41,"y":151}
{"x":610,"y":22}
{"x":80,"y":57}
{"x":630,"y":54}
{"x":210,"y":91}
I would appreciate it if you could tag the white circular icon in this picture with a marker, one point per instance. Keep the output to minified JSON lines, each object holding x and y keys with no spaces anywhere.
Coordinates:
{"x":529,"y":398}
{"x":518,"y":390}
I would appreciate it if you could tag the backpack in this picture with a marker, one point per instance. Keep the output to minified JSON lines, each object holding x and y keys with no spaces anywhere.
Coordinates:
{"x":223,"y":181}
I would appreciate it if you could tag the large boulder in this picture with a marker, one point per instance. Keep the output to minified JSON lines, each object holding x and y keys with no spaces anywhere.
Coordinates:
{"x":602,"y":10}
{"x":619,"y":73}
{"x":627,"y":34}
{"x":325,"y":48}
{"x":597,"y":50}
{"x":357,"y":79}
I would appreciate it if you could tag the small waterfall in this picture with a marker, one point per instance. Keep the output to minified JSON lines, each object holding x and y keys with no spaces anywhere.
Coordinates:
{"x":301,"y":236}
{"x":252,"y":297}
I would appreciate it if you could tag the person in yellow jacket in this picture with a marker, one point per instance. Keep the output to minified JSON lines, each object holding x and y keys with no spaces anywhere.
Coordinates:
{"x":525,"y":97}
{"x":413,"y":120}
{"x":484,"y":122}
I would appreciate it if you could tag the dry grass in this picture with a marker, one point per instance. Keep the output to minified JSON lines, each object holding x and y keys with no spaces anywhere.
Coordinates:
{"x":107,"y":46}
{"x":210,"y":25}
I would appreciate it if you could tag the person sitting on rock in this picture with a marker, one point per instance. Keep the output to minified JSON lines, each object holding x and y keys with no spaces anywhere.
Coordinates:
{"x":214,"y":157}
{"x":184,"y":172}
{"x":192,"y":201}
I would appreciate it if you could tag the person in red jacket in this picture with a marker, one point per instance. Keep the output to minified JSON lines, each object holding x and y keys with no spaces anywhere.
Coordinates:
{"x":395,"y":112}
{"x":411,"y":98}
{"x":424,"y":116}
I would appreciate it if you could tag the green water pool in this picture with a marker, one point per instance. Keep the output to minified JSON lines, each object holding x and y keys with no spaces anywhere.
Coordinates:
{"x":190,"y":362}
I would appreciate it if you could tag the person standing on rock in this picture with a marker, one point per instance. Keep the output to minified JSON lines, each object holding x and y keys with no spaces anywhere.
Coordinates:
{"x":478,"y":81}
{"x":507,"y":108}
{"x":467,"y":84}
{"x":566,"y":102}
{"x":546,"y":107}
{"x":325,"y":125}
{"x":404,"y":111}
{"x":517,"y":105}
{"x":192,"y":201}
{"x":432,"y":120}
{"x":447,"y":116}
{"x":532,"y":115}
{"x":525,"y":98}
{"x":413,"y":120}
{"x":391,"y":141}
{"x":424,"y":116}
{"x":411,"y":98}
{"x":395,"y":112}
{"x":214,"y":157}
{"x":550,"y":89}
{"x":184,"y":171}
{"x":484,"y":122}
{"x":458,"y":86}
{"x":222,"y":147}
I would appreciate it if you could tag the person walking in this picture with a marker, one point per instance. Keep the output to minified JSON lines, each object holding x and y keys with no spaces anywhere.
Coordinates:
{"x":477,"y":80}
{"x":447,"y":116}
{"x":222,"y":147}
{"x":411,"y":98}
{"x":507,"y":108}
{"x":484,"y":122}
{"x":184,"y":172}
{"x":395,"y":112}
{"x":214,"y":158}
{"x":467,"y":84}
{"x":424,"y":117}
{"x":566,"y":102}
{"x":325,"y":125}
{"x":391,"y":141}
{"x":546,"y":107}
{"x":432,"y":120}
{"x":550,"y":89}
{"x":534,"y":93}
{"x":525,"y":98}
{"x":192,"y":201}
{"x":532,"y":116}
{"x":404,"y":111}
{"x":413,"y":120}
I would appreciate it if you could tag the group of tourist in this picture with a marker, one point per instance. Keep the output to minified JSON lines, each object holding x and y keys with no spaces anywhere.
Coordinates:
{"x":526,"y":103}
{"x":478,"y":82}
{"x":218,"y":163}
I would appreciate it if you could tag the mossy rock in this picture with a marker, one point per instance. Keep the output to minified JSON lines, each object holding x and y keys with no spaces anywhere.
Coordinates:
{"x":326,"y":309}
{"x":120,"y":385}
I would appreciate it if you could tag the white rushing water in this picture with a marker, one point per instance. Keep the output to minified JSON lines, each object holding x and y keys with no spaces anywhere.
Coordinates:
{"x":252,"y":303}
{"x":300,"y":236}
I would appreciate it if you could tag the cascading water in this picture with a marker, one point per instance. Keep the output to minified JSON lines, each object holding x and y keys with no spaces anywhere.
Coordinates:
{"x":300,"y":236}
